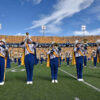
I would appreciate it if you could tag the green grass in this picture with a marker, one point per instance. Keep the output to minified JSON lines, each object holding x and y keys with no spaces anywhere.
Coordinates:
{"x":68,"y":88}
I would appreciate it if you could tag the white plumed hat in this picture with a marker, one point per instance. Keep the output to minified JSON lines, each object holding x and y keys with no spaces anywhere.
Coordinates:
{"x":98,"y":42}
{"x":3,"y":40}
{"x":76,"y":42}
{"x":52,"y":42}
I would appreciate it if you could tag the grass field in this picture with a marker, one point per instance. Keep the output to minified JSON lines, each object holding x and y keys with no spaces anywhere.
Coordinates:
{"x":68,"y":88}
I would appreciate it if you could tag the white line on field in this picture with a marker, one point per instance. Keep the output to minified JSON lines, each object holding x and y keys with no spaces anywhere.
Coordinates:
{"x":95,"y":88}
{"x":94,"y":67}
{"x":76,"y":98}
{"x":11,"y":69}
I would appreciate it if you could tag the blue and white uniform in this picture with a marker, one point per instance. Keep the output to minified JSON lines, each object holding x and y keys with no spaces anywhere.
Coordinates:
{"x":94,"y":58}
{"x":19,"y":61}
{"x":98,"y":54}
{"x":8,"y":61}
{"x":68,"y":58}
{"x":29,"y":60}
{"x":85,"y":57}
{"x":54,"y":63}
{"x":98,"y":51}
{"x":35,"y":53}
{"x":3,"y":48}
{"x":41,"y":59}
{"x":15,"y":60}
{"x":79,"y":62}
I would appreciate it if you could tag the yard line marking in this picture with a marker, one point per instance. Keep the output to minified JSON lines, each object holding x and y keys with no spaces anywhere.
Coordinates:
{"x":95,"y":88}
{"x":11,"y":69}
{"x":76,"y":98}
{"x":94,"y":67}
{"x":18,"y":70}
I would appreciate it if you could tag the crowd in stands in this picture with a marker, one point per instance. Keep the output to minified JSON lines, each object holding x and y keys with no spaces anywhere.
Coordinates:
{"x":17,"y":52}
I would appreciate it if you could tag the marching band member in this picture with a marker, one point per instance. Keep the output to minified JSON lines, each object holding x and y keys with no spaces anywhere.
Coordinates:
{"x":85,"y":56}
{"x":59,"y":58}
{"x":98,"y":51}
{"x":68,"y":58}
{"x":53,"y":54}
{"x":84,"y":46}
{"x":3,"y":60}
{"x":15,"y":60}
{"x":94,"y":58}
{"x":29,"y":58}
{"x":78,"y":50}
{"x":8,"y":61}
{"x":35,"y":53}
{"x":19,"y":61}
{"x":41,"y":59}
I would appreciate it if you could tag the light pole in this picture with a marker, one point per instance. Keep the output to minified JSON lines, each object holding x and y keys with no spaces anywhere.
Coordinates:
{"x":83,"y":28}
{"x":43,"y":29}
{"x":0,"y":26}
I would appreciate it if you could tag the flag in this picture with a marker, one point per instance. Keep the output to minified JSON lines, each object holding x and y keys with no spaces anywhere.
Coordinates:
{"x":73,"y":59}
{"x":92,"y":58}
{"x":48,"y":60}
{"x":98,"y":58}
{"x":65,"y":59}
{"x":22,"y":59}
{"x":5,"y":66}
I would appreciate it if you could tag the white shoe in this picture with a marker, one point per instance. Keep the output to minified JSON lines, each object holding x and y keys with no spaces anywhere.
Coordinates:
{"x":53,"y":81}
{"x":30,"y":82}
{"x":56,"y":81}
{"x":2,"y":83}
{"x":81,"y":80}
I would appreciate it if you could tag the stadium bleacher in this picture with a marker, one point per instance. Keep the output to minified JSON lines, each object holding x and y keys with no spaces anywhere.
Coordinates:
{"x":45,"y":41}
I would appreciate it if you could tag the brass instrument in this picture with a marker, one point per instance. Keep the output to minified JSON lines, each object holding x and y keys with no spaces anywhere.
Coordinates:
{"x":56,"y":44}
{"x":27,"y":37}
{"x":85,"y":41}
{"x":27,"y":34}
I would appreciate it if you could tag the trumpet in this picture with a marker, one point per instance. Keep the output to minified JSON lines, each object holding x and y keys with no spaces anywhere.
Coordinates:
{"x":85,"y":41}
{"x":27,"y":34}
